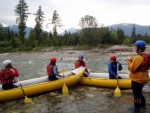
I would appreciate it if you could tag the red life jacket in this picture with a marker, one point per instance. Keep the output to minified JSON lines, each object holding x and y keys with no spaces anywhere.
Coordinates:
{"x":79,"y":63}
{"x":50,"y":70}
{"x":0,"y":74}
{"x":4,"y":77}
{"x":146,"y":64}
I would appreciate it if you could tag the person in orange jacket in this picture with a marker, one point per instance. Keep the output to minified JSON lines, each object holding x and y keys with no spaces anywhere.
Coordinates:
{"x":138,"y":67}
{"x":8,"y":74}
{"x":81,"y":62}
{"x":52,"y":70}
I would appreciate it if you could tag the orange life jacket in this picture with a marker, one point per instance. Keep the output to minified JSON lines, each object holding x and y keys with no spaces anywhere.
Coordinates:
{"x":146,"y":64}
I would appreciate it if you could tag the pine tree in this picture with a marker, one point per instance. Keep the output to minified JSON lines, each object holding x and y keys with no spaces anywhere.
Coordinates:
{"x":39,"y":18}
{"x":56,"y":22}
{"x":1,"y":32}
{"x":133,"y":34}
{"x":22,"y":13}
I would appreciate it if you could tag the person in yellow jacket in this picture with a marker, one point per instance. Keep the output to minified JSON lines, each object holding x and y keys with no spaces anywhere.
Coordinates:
{"x":138,"y":67}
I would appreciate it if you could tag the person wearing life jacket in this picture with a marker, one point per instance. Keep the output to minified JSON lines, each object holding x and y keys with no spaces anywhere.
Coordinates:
{"x":138,"y":67}
{"x":8,"y":74}
{"x":81,"y":62}
{"x":113,"y":67}
{"x":52,"y":70}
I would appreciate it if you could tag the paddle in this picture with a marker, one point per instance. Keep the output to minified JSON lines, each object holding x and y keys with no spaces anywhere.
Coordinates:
{"x":117,"y":92}
{"x":64,"y":88}
{"x":27,"y":100}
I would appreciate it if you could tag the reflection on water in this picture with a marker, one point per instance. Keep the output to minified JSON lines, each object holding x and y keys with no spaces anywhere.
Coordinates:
{"x":81,"y":99}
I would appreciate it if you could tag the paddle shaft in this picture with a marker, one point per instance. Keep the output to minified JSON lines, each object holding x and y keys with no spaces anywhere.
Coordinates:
{"x":117,"y":81}
{"x":63,"y":72}
{"x":21,"y":87}
{"x":117,"y":70}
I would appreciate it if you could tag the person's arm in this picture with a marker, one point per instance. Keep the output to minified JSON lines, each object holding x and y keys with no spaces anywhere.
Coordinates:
{"x":55,"y":71}
{"x":119,"y":66}
{"x":86,"y":67}
{"x":134,"y":63}
{"x":14,"y":73}
{"x":110,"y":70}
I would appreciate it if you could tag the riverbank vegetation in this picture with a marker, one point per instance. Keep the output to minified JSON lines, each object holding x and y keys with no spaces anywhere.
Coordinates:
{"x":91,"y":34}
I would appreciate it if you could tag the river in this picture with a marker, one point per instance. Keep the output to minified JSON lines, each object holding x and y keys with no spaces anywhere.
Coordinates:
{"x":82,"y":98}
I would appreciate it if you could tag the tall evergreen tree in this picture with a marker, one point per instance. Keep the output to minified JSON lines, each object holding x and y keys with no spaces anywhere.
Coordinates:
{"x":56,"y":22}
{"x":133,"y":33}
{"x":8,"y":35}
{"x":39,"y":19}
{"x":1,"y":32}
{"x":121,"y":36}
{"x":22,"y":13}
{"x":31,"y":39}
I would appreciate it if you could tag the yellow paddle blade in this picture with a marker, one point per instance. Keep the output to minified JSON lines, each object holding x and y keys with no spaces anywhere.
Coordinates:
{"x":28,"y":100}
{"x":65,"y":90}
{"x":117,"y":92}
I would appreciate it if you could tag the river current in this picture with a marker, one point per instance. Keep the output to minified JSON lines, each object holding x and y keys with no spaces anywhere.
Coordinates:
{"x":82,"y":98}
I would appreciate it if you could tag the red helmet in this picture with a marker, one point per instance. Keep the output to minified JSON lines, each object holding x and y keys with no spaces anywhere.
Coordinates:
{"x":113,"y":57}
{"x":52,"y":60}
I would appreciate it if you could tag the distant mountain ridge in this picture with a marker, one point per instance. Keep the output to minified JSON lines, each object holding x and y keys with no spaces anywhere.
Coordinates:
{"x":126,"y":27}
{"x":70,"y":30}
{"x":15,"y":29}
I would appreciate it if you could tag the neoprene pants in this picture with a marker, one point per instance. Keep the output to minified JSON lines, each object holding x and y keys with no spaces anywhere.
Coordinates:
{"x":51,"y":78}
{"x":8,"y":86}
{"x":139,"y":100}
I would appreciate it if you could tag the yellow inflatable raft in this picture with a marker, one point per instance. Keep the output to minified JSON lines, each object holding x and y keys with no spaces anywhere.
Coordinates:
{"x":42,"y":87}
{"x":102,"y":80}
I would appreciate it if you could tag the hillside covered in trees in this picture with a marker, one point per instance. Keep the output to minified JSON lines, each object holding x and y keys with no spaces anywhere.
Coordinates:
{"x":92,"y":34}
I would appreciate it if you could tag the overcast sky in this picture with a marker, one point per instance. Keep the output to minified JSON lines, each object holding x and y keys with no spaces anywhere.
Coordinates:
{"x":106,"y":12}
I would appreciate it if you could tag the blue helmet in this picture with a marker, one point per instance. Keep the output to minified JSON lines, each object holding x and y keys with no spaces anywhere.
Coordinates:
{"x":140,"y":43}
{"x":81,"y":56}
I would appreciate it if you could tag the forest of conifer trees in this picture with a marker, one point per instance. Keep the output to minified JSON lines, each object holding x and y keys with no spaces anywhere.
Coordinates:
{"x":91,"y":34}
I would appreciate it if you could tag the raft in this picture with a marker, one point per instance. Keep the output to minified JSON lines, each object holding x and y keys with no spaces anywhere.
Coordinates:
{"x":39,"y":86}
{"x":102,"y":80}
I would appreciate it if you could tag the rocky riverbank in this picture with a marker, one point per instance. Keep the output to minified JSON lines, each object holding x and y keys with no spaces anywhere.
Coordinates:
{"x":82,"y":98}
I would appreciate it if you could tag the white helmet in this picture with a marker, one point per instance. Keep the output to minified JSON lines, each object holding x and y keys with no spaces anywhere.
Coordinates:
{"x":6,"y":62}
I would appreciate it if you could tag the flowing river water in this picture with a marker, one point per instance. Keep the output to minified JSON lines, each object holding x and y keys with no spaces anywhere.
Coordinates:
{"x":82,"y":98}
